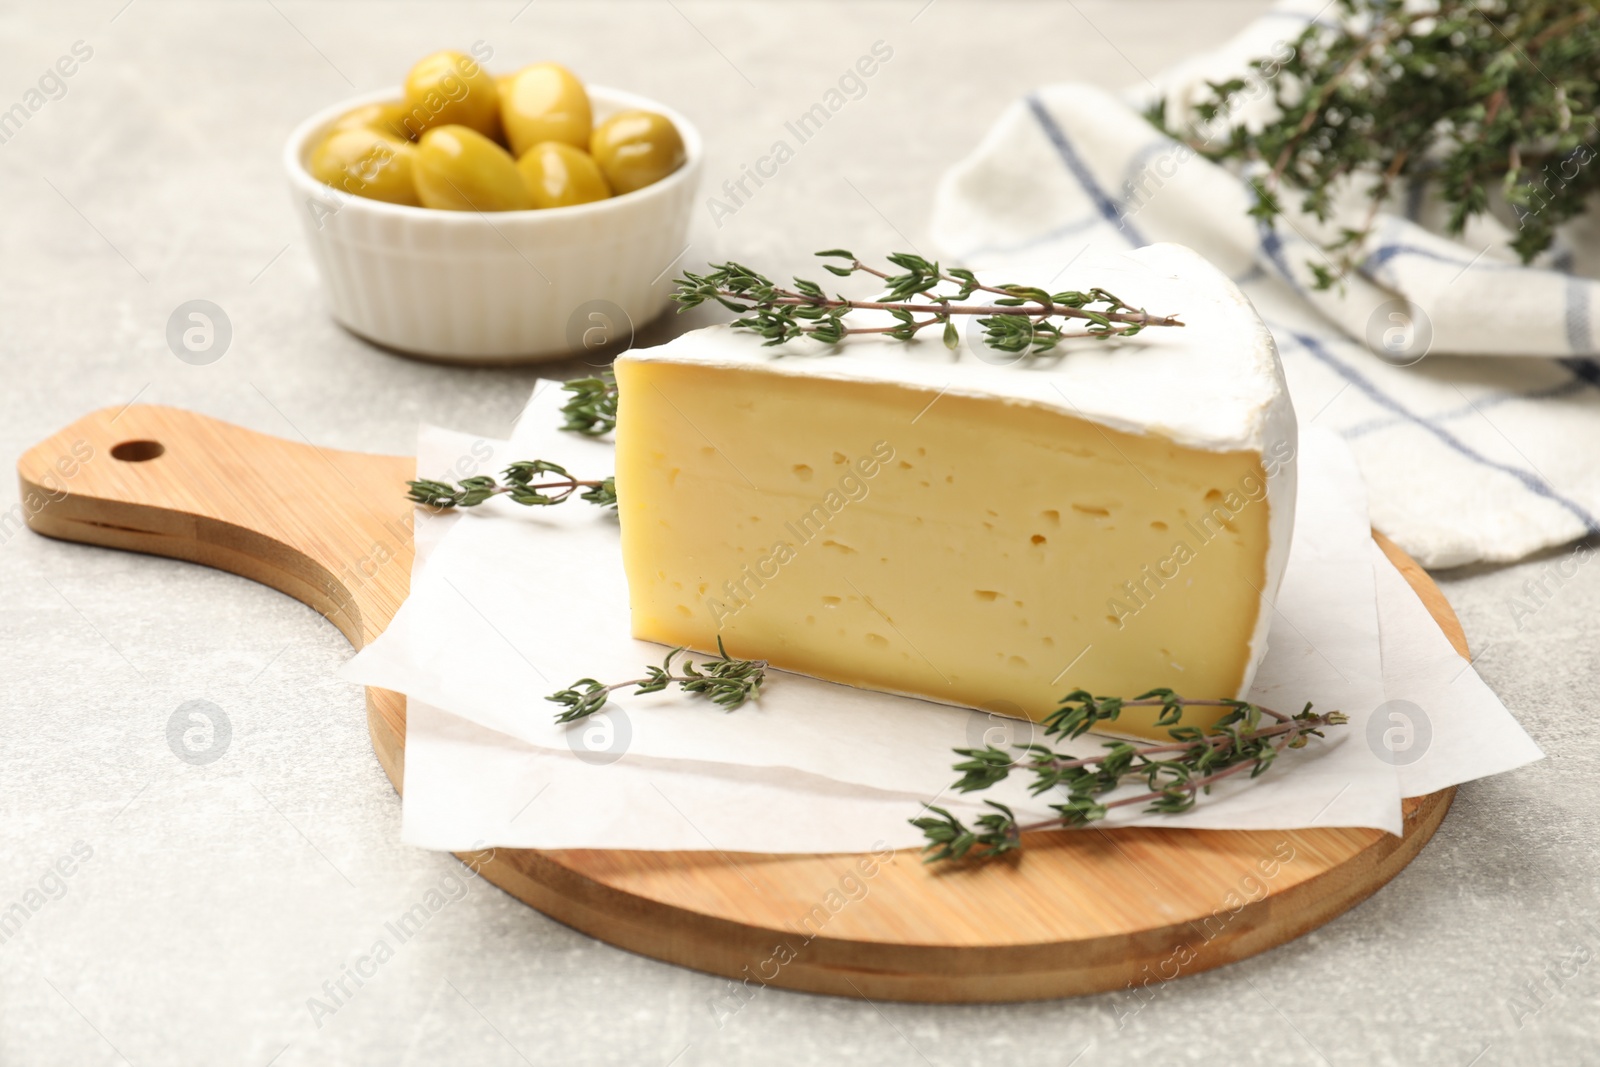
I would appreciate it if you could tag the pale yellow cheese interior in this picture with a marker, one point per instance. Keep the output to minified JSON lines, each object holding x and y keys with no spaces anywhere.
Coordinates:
{"x":969,"y":550}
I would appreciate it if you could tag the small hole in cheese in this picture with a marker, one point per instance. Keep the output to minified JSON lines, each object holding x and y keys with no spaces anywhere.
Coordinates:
{"x":877,"y":641}
{"x":1040,"y":539}
{"x":986,"y":594}
{"x":1090,"y":509}
{"x":846,"y":549}
{"x":1052,"y":516}
{"x":802,"y":472}
{"x":831,"y":601}
{"x":840,"y":457}
{"x":1158,"y":525}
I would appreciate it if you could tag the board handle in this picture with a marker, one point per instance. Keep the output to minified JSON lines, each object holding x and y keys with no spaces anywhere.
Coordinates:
{"x":327,"y":527}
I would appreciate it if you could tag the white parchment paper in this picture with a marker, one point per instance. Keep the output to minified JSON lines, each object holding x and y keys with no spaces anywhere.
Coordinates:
{"x":509,"y":604}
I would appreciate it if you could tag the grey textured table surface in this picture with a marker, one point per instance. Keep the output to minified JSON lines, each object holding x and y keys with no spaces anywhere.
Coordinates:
{"x":215,"y":900}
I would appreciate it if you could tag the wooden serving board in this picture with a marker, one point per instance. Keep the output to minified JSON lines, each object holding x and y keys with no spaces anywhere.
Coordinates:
{"x":1074,"y":912}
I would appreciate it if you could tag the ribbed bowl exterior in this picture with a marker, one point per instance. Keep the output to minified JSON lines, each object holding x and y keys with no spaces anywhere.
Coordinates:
{"x":496,"y":287}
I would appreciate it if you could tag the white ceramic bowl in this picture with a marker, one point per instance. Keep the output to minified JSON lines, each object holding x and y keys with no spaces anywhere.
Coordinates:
{"x":496,"y":287}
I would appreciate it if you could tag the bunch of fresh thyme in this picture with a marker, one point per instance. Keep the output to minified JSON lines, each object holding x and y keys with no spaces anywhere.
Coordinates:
{"x":519,"y":487}
{"x":1015,"y":318}
{"x":726,"y":681}
{"x":1175,"y":773}
{"x":1475,"y":98}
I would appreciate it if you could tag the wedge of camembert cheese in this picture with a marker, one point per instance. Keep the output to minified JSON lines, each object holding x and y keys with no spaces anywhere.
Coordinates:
{"x":1114,"y":516}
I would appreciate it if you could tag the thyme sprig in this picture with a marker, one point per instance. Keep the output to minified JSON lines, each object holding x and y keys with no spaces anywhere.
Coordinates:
{"x":519,"y":486}
{"x":592,"y":411}
{"x":1476,"y":99}
{"x":728,"y":682}
{"x":1015,"y":318}
{"x":1174,"y":773}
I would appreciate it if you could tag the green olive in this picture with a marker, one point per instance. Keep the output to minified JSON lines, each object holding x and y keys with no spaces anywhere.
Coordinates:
{"x":545,"y":102}
{"x":385,"y":118}
{"x":451,"y":89}
{"x":558,"y":175}
{"x":367,"y":162}
{"x":459,"y":169}
{"x":636,"y":148}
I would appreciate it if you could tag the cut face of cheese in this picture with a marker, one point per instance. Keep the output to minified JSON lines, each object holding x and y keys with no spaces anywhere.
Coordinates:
{"x":901,"y":518}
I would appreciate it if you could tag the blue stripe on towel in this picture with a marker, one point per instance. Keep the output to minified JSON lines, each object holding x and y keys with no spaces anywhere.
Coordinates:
{"x":1139,"y":162}
{"x":1385,"y":253}
{"x":1383,"y":422}
{"x":1580,"y":333}
{"x":1586,"y":370}
{"x":1069,"y":155}
{"x":1533,"y":483}
{"x":1416,"y":193}
{"x":1272,"y":248}
{"x":1271,"y":243}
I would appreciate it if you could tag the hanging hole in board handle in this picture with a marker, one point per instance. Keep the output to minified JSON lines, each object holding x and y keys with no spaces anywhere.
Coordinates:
{"x":137,"y":451}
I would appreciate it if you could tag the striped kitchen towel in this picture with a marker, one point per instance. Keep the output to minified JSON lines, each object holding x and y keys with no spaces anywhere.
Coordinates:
{"x":1464,"y":381}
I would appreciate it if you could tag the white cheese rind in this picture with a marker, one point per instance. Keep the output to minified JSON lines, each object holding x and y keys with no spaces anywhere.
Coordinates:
{"x":1214,"y":383}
